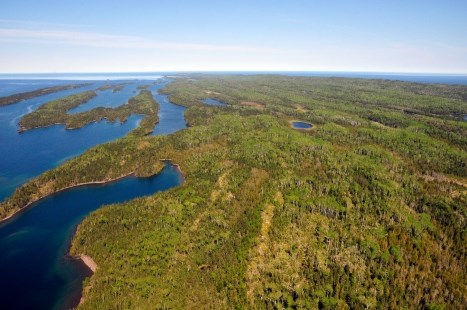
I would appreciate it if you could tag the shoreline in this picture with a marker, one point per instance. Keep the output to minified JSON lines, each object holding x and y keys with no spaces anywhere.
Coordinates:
{"x":19,"y":97}
{"x":85,"y":260}
{"x":88,"y":261}
{"x":31,"y":204}
{"x":22,"y":129}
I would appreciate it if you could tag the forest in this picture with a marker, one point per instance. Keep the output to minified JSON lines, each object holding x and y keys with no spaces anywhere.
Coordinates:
{"x":365,"y":210}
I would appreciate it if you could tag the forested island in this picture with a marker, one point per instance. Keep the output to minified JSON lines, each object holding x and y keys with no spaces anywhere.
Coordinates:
{"x":114,"y":87}
{"x":366,"y":210}
{"x":15,"y":98}
{"x":56,"y":112}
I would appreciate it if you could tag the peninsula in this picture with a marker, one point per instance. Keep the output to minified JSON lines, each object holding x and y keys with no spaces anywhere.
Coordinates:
{"x":36,"y":93}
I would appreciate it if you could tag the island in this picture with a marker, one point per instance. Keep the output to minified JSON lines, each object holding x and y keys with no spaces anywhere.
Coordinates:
{"x":55,"y":112}
{"x":114,"y":87}
{"x":15,"y":98}
{"x":367,"y":210}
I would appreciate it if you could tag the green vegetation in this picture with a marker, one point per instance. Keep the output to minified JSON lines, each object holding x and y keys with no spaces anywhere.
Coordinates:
{"x":114,"y":87}
{"x":367,"y":210}
{"x":55,"y":112}
{"x":36,"y":93}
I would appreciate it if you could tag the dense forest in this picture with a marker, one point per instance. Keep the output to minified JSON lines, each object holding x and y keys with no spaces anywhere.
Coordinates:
{"x":366,"y":210}
{"x":56,"y":112}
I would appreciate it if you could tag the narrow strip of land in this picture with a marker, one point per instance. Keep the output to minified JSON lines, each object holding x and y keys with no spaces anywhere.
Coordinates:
{"x":15,"y":98}
{"x":114,"y":87}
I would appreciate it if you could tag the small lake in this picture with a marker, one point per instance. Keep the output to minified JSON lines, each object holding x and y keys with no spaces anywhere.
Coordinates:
{"x":35,"y":272}
{"x":214,"y":102}
{"x":301,"y":125}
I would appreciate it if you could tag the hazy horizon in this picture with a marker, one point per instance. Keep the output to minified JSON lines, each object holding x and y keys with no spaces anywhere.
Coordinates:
{"x":237,"y":72}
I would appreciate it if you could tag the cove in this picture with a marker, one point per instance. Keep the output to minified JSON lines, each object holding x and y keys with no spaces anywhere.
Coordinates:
{"x":34,"y":268}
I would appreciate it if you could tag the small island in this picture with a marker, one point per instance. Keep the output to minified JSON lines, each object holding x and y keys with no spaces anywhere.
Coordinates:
{"x":15,"y":98}
{"x":114,"y":87}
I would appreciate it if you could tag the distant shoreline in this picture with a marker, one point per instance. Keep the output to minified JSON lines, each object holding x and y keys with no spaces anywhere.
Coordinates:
{"x":417,"y":77}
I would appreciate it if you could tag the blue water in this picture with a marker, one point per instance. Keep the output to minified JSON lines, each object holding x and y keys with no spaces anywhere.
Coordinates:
{"x":35,"y":272}
{"x":171,"y":116}
{"x":11,"y":87}
{"x":104,"y":76}
{"x":214,"y":102}
{"x":301,"y":125}
{"x":26,"y":155}
{"x":460,"y":79}
{"x":108,"y":99}
{"x":406,"y":77}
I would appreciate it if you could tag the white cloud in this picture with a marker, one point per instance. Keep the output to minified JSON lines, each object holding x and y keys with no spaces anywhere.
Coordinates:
{"x":116,"y":41}
{"x":33,"y":23}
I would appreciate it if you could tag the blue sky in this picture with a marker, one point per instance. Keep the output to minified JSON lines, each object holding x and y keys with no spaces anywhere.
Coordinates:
{"x":130,"y":36}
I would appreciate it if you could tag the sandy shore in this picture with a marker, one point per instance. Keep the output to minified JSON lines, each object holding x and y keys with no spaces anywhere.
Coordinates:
{"x":91,"y":264}
{"x":88,"y":261}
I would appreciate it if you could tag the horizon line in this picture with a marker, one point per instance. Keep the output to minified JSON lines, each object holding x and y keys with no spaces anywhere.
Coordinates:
{"x":237,"y":71}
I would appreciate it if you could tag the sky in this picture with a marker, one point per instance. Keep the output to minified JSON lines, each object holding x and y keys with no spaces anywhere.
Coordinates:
{"x":51,"y":36}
